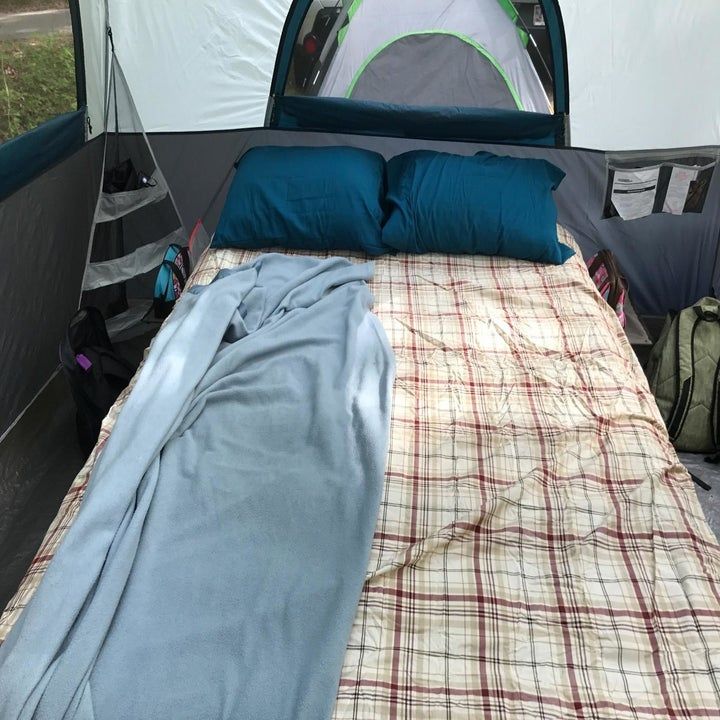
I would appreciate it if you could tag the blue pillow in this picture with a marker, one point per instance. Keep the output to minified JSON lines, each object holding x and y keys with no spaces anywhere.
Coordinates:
{"x":305,"y":198}
{"x":485,"y":204}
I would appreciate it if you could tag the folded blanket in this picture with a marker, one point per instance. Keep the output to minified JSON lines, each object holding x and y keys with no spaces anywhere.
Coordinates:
{"x":215,"y":566}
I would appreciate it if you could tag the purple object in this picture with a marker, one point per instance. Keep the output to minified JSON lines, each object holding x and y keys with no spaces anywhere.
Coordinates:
{"x":83,"y":362}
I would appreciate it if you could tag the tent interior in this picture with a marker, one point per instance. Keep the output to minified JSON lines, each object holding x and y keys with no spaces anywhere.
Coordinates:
{"x":603,"y":90}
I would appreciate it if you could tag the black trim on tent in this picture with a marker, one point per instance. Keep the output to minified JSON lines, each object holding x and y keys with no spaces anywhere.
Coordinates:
{"x":558,"y":46}
{"x":80,"y":83}
{"x":429,"y":123}
{"x":293,"y":23}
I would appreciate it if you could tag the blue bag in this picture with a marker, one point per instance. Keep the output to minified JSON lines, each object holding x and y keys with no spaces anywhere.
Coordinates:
{"x":171,"y":280}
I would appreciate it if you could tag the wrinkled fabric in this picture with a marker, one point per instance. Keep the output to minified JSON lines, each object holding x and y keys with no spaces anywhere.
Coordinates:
{"x":539,"y":550}
{"x":216,"y":564}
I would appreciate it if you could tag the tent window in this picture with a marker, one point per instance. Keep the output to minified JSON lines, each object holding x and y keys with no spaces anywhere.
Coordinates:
{"x":464,"y":53}
{"x":37,"y":66}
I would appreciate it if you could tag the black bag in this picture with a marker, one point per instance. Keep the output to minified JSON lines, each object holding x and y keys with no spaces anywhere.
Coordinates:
{"x":95,"y":371}
{"x":124,"y":178}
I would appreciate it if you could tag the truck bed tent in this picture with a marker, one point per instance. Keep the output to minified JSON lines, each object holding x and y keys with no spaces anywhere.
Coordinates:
{"x":208,"y":79}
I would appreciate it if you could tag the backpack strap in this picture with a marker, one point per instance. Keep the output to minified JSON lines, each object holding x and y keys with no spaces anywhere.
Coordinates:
{"x":115,"y":365}
{"x":615,"y":284}
{"x":653,"y":362}
{"x":715,"y":406}
{"x":687,"y":324}
{"x":110,"y":365}
{"x":596,"y":262}
{"x":185,"y":257}
{"x":177,"y":272}
{"x":699,"y":481}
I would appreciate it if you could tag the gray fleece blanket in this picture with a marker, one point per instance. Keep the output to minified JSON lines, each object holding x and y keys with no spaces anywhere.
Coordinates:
{"x":216,"y":564}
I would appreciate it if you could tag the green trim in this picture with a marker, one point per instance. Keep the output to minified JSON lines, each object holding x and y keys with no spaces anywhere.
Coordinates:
{"x":464,"y":38}
{"x":511,"y":11}
{"x":353,"y":8}
{"x":354,"y":5}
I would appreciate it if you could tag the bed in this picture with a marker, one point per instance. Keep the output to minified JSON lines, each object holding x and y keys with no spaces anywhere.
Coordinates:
{"x":539,"y":551}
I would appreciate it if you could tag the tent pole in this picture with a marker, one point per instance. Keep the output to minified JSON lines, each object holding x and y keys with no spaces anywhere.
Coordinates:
{"x":537,"y":49}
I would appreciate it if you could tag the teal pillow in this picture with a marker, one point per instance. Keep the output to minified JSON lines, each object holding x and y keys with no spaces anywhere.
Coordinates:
{"x":305,"y":198}
{"x":485,"y":204}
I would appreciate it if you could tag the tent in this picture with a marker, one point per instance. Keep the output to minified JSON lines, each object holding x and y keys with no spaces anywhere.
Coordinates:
{"x":458,"y":53}
{"x":207,"y":79}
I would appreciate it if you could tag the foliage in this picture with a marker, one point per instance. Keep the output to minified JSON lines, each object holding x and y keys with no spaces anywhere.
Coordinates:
{"x":37,"y":82}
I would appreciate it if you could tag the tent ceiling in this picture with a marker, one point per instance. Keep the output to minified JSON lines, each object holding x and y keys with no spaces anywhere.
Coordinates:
{"x":641,"y":72}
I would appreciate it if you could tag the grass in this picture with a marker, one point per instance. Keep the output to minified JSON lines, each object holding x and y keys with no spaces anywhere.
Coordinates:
{"x":18,"y":6}
{"x":37,"y":82}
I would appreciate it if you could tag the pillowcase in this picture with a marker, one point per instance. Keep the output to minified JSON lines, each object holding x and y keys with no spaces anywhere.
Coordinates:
{"x":485,"y":204}
{"x":305,"y":198}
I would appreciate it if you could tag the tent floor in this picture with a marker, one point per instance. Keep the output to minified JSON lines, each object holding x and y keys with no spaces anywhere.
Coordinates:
{"x":40,"y":458}
{"x":38,"y":461}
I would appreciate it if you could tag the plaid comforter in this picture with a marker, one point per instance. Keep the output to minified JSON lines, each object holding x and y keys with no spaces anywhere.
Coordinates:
{"x":539,"y":552}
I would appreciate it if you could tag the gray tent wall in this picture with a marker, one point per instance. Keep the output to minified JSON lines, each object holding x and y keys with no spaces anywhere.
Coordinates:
{"x":669,"y":260}
{"x":45,"y":229}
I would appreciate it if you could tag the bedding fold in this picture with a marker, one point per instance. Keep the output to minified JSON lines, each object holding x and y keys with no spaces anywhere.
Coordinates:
{"x":215,"y":566}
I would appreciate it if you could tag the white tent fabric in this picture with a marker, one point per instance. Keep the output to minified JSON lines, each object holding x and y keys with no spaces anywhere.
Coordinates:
{"x":192,"y":64}
{"x":92,"y":14}
{"x":377,"y":22}
{"x":641,"y":72}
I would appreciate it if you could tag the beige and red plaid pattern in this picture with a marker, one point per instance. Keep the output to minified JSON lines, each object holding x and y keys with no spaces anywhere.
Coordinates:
{"x":539,"y":551}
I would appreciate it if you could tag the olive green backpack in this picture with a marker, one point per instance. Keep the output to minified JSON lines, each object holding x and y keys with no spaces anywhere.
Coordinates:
{"x":683,"y":374}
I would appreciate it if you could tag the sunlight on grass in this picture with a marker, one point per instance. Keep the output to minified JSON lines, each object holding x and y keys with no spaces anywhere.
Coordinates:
{"x":37,"y":82}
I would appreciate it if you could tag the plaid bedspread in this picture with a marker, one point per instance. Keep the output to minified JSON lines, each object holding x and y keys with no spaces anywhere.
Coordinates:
{"x":539,"y":552}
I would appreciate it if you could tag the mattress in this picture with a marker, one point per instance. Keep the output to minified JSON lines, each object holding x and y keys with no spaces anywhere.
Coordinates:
{"x":539,"y":551}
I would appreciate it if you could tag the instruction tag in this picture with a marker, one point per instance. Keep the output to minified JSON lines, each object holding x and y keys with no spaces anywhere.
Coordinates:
{"x":678,"y":189}
{"x":643,"y":184}
{"x":634,"y":191}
